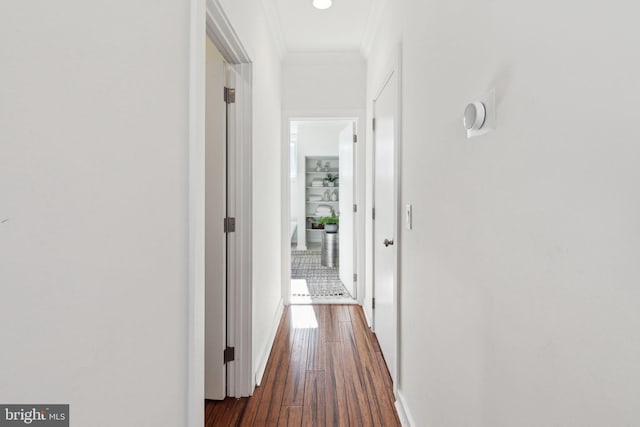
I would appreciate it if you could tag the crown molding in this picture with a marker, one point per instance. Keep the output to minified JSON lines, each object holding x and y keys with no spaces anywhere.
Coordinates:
{"x":275,"y":26}
{"x":323,"y":57}
{"x":372,"y":26}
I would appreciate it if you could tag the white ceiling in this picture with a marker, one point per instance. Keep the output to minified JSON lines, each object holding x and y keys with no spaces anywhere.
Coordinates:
{"x":302,"y":28}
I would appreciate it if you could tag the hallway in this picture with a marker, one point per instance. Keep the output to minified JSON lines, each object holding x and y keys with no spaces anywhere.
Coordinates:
{"x":325,"y":369}
{"x":496,"y":212}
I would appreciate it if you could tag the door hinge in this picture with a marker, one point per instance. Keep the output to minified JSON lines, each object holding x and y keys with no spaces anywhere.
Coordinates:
{"x":355,"y":138}
{"x":373,"y":303}
{"x":229,"y":354}
{"x":373,"y":213}
{"x":355,"y":208}
{"x":373,"y":124}
{"x":229,"y":95}
{"x":355,"y":277}
{"x":229,"y":225}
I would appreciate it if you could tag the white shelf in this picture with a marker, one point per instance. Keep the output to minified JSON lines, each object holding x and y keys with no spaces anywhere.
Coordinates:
{"x":312,"y":174}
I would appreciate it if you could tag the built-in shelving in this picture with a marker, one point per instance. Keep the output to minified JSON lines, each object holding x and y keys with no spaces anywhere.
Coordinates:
{"x":311,"y":206}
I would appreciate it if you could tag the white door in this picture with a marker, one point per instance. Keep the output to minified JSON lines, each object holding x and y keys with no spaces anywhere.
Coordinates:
{"x":215,"y":212}
{"x":346,"y":202}
{"x":384,"y":240}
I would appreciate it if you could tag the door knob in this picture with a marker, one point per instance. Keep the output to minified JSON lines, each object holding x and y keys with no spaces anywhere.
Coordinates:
{"x":388,"y":243}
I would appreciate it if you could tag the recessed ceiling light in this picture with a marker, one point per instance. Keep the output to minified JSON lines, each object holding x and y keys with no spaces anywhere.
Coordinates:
{"x":322,"y":4}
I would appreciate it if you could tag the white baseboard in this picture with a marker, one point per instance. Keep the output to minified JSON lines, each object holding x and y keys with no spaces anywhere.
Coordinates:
{"x":262,"y":365}
{"x":403,"y":411}
{"x":366,"y":318}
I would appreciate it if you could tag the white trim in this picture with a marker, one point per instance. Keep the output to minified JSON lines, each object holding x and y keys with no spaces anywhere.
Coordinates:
{"x":372,"y":26}
{"x":399,"y":213}
{"x":240,"y":372}
{"x":244,"y":216}
{"x":207,"y":17}
{"x":403,"y":411}
{"x":262,"y":365}
{"x":324,"y":57}
{"x":366,"y":317}
{"x":275,"y":26}
{"x":223,"y":36}
{"x":359,"y":117}
{"x":323,"y":114}
{"x":285,"y":202}
{"x":196,"y":284}
{"x":239,"y":376}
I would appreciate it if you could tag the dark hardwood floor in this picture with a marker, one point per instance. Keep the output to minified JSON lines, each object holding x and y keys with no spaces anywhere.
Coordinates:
{"x":325,"y":369}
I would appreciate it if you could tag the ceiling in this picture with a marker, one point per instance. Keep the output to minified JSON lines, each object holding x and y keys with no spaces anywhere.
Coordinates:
{"x":346,"y":26}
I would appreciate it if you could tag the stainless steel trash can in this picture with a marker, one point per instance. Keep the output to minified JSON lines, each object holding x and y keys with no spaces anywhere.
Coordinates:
{"x":329,"y":252}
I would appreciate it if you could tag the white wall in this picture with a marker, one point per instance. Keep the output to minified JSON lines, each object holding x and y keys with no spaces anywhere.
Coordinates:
{"x":248,"y":19}
{"x":521,"y":270}
{"x":323,"y":81}
{"x":93,"y":217}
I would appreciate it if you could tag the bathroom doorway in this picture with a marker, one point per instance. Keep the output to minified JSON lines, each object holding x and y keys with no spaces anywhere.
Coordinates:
{"x":322,"y":229}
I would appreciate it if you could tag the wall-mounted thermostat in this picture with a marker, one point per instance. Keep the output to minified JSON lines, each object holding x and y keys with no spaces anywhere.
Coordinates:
{"x":474,"y":116}
{"x":480,"y":116}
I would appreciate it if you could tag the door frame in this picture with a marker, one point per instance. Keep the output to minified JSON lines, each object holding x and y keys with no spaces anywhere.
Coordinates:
{"x":357,"y":116}
{"x":207,"y":18}
{"x":394,"y":67}
{"x":216,"y":188}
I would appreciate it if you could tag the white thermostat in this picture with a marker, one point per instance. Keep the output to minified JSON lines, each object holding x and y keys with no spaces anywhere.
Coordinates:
{"x":480,"y":116}
{"x":474,"y":116}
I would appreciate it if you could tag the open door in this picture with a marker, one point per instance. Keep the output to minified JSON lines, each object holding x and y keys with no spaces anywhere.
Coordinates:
{"x":385,"y":219}
{"x":346,"y":206}
{"x":215,"y":236}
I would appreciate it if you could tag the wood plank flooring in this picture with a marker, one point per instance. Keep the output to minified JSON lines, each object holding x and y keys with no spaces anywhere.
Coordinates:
{"x":325,"y":369}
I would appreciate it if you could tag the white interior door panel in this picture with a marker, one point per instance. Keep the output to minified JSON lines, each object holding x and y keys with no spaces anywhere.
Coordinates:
{"x":385,"y":254}
{"x":215,"y":212}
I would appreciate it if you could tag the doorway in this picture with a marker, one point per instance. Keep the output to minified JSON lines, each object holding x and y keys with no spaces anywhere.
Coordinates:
{"x":322,"y":226}
{"x":225,"y":314}
{"x":386,"y":107}
{"x":216,"y":242}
